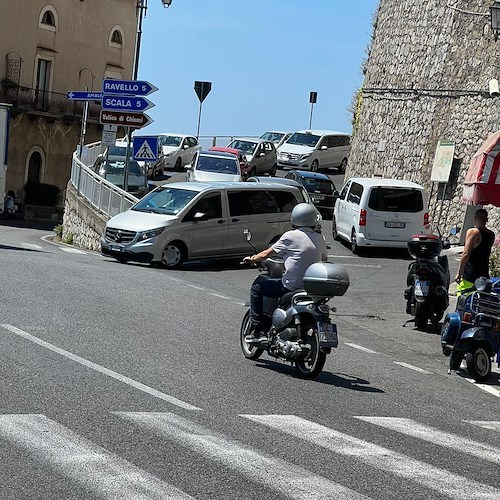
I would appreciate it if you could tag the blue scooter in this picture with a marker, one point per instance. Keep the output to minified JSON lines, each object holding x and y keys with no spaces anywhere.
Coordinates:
{"x":473,"y":330}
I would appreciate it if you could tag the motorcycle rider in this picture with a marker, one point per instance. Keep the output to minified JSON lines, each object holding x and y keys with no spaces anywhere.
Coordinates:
{"x":299,"y":248}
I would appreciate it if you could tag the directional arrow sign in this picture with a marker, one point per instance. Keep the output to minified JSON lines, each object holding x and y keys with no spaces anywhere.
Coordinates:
{"x":125,"y":119}
{"x":125,"y":103}
{"x":84,"y":96}
{"x":127,"y":87}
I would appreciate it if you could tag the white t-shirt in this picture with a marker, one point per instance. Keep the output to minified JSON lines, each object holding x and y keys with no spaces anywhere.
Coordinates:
{"x":299,"y":248}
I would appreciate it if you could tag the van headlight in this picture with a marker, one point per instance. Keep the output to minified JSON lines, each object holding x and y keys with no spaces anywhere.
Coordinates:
{"x":152,"y":233}
{"x":305,"y":157}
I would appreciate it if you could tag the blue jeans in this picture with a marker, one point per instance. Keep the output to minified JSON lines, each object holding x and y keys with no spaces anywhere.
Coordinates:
{"x":263,"y":286}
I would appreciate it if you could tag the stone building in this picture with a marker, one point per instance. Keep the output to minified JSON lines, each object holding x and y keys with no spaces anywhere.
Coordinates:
{"x":426,"y":80}
{"x":47,"y":48}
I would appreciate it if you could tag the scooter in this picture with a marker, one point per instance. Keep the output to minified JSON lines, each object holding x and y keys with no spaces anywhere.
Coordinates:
{"x":298,"y":324}
{"x":473,"y":330}
{"x":428,"y":280}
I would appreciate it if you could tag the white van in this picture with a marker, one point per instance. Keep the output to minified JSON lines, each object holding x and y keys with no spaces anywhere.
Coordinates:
{"x":314,"y":150}
{"x":191,"y":220}
{"x":375,"y":212}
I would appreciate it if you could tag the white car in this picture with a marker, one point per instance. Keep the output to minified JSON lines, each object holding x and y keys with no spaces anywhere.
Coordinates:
{"x":314,"y":150}
{"x":278,"y":138}
{"x":178,"y":150}
{"x":214,"y":166}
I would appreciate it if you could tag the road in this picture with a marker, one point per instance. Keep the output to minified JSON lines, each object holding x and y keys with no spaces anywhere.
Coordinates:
{"x":126,"y":381}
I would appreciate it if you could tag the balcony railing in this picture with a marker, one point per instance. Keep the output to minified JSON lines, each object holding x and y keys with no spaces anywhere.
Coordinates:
{"x":42,"y":101}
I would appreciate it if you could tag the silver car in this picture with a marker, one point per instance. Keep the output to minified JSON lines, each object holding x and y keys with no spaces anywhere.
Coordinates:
{"x":260,"y":153}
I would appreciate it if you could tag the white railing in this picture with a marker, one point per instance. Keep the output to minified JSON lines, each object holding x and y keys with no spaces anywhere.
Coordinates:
{"x":109,"y":199}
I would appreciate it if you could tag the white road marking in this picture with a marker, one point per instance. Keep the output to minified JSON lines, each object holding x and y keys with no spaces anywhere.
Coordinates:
{"x":101,"y":472}
{"x":73,"y":250}
{"x":286,"y":478}
{"x":344,"y":256}
{"x":429,"y":476}
{"x":430,"y":434}
{"x":488,"y":388}
{"x":225,"y":297}
{"x":360,"y":347}
{"x":491,"y":425}
{"x":101,"y":369}
{"x":240,"y":303}
{"x":31,"y":246}
{"x":197,"y":287}
{"x":411,"y":367}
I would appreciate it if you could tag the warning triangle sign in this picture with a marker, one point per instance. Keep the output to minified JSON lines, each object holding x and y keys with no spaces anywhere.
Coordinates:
{"x":145,"y":152}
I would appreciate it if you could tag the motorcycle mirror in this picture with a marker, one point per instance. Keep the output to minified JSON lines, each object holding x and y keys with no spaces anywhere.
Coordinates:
{"x":247,"y":234}
{"x":446,"y":244}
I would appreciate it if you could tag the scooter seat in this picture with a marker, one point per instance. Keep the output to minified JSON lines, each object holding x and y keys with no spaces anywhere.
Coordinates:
{"x":286,"y":300}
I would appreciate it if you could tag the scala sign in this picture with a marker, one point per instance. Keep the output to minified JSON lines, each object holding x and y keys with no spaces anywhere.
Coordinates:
{"x":127,"y":87}
{"x":125,"y":103}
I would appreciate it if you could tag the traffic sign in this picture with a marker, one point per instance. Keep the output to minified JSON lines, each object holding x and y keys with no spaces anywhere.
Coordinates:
{"x":127,"y":87}
{"x":313,"y":97}
{"x":125,"y":119}
{"x":125,"y":103}
{"x":145,"y":148}
{"x":202,"y":89}
{"x":84,"y":96}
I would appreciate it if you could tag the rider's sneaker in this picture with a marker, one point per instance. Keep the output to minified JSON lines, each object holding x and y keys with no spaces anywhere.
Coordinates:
{"x":256,"y":335}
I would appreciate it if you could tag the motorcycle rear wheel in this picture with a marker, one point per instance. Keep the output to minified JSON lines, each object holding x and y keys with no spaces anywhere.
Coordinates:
{"x":313,"y":363}
{"x":421,"y":315}
{"x":249,"y":351}
{"x":479,"y":362}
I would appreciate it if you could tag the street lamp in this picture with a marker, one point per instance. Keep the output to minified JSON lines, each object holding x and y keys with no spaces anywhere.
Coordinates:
{"x":495,"y":19}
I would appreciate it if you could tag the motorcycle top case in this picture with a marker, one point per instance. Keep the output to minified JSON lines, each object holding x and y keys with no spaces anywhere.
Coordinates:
{"x":424,"y":246}
{"x":326,"y":279}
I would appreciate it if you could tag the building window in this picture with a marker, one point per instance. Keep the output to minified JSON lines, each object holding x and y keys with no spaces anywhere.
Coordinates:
{"x":48,"y":18}
{"x":116,"y":37}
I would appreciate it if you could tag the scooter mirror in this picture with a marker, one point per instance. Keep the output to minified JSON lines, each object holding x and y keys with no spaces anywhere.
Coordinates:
{"x":446,"y":244}
{"x":247,"y":234}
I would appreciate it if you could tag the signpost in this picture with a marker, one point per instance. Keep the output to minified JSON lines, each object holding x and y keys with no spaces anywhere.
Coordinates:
{"x":313,"y":97}
{"x":202,"y":89}
{"x":145,"y":148}
{"x":125,"y":119}
{"x":127,"y":87}
{"x":125,"y":103}
{"x":76,"y":95}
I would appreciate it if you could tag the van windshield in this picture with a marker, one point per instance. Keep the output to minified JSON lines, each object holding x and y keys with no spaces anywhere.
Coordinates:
{"x":304,"y":139}
{"x":389,"y":199}
{"x":165,"y":200}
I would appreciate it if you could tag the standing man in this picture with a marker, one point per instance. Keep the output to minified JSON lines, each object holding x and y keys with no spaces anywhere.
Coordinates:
{"x":475,"y":259}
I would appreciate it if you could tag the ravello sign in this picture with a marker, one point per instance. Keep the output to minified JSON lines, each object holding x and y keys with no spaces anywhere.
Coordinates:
{"x":127,"y":87}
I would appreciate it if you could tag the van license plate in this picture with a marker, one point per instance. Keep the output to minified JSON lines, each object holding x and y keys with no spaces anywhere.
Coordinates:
{"x":328,"y":334}
{"x":318,"y":197}
{"x":399,"y":225}
{"x":116,"y":248}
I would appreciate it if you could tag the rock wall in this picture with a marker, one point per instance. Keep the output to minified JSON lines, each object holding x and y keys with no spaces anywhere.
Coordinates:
{"x":82,"y":221}
{"x":427,"y":80}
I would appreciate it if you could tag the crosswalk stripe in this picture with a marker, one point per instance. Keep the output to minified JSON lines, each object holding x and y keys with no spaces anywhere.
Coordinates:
{"x":73,"y":250}
{"x":360,"y":348}
{"x":102,"y":472}
{"x":31,"y":246}
{"x":432,"y":435}
{"x":300,"y":484}
{"x":412,"y":367}
{"x":443,"y":481}
{"x":492,"y":425}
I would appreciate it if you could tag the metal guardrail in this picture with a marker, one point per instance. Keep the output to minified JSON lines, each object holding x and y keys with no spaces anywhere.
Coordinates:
{"x":107,"y":198}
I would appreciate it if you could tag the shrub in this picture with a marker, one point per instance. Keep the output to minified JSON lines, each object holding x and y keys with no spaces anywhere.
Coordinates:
{"x":495,"y":259}
{"x":69,"y":239}
{"x":59,"y":230}
{"x":45,"y":195}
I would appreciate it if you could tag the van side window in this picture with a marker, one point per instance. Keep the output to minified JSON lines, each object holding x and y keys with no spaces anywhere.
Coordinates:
{"x":251,"y":202}
{"x":210,"y":205}
{"x":343,"y":193}
{"x":285,"y":200}
{"x":355,"y":193}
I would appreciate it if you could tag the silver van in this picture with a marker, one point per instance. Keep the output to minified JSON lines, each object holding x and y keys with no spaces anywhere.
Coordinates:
{"x":192,"y":220}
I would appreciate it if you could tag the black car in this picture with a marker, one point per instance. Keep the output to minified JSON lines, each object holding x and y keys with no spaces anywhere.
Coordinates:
{"x":319,"y":186}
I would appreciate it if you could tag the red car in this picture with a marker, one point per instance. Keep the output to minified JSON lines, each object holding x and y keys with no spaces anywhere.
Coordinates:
{"x":244,"y":165}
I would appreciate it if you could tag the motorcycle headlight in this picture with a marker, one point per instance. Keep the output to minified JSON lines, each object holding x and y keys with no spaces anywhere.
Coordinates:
{"x":304,"y":157}
{"x":152,"y":233}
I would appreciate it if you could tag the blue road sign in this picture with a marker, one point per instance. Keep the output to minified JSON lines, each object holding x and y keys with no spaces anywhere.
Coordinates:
{"x":125,"y":103}
{"x":127,"y":87}
{"x":84,"y":96}
{"x":145,"y":148}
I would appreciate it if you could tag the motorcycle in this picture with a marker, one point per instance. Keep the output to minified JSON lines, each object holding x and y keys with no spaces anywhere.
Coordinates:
{"x":298,"y":325}
{"x":428,"y":279}
{"x":473,"y":330}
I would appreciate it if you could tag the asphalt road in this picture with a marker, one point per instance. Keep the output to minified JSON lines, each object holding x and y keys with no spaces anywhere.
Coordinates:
{"x":126,"y":381}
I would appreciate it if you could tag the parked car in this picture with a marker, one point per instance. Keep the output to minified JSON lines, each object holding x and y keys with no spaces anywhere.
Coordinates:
{"x":213,"y":166}
{"x":244,"y":165}
{"x":112,"y":169}
{"x":375,"y":212}
{"x":261,"y":154}
{"x":178,"y":150}
{"x":319,"y":186}
{"x":192,"y":220}
{"x":278,"y":138}
{"x":314,"y":150}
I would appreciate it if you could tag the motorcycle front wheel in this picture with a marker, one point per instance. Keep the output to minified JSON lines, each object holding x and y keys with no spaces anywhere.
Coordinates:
{"x":479,"y":362}
{"x":249,"y":351}
{"x":313,"y":363}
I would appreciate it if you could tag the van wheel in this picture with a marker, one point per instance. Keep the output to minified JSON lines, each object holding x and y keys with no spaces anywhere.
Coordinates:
{"x":335,"y":234}
{"x":314,"y":166}
{"x":173,"y":255}
{"x":343,"y":166}
{"x":178,"y":166}
{"x":354,"y":243}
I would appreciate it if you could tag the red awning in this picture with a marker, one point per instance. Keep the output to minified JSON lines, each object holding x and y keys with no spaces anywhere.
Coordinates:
{"x":482,"y":182}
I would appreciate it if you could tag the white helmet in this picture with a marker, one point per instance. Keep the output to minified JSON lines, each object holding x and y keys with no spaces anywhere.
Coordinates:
{"x":304,"y":214}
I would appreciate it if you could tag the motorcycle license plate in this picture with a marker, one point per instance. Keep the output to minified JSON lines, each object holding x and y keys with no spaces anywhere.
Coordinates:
{"x":421,"y":288}
{"x":328,"y":335}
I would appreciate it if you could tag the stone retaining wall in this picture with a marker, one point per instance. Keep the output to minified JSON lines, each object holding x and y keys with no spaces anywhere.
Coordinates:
{"x":82,"y":221}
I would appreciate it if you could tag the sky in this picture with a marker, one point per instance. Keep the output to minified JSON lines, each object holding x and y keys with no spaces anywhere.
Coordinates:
{"x":263,"y":58}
